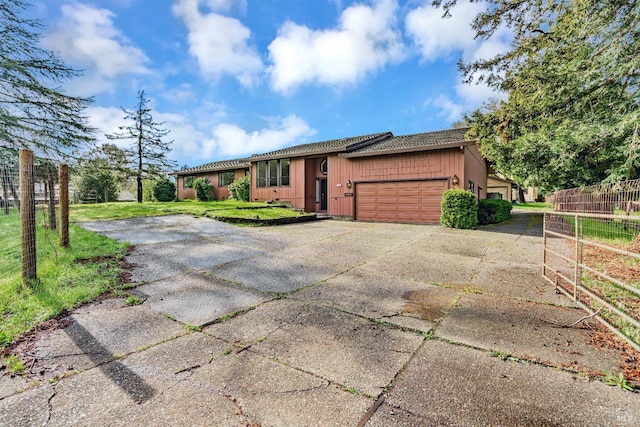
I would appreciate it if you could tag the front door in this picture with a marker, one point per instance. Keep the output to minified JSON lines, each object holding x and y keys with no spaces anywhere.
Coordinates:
{"x":321,"y":193}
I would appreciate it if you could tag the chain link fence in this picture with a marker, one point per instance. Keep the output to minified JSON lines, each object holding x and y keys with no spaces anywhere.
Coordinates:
{"x":592,"y":253}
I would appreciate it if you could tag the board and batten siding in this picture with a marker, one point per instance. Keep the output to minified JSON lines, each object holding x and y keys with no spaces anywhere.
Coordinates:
{"x":436,"y":164}
{"x":475,"y":169}
{"x":292,"y":194}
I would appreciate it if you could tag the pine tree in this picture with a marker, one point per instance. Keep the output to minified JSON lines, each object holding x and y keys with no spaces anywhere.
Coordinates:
{"x":572,"y":76}
{"x":34,"y":112}
{"x":148,"y":152}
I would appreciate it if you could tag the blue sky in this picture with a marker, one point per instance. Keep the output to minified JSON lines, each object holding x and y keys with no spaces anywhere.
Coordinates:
{"x":231,"y":78}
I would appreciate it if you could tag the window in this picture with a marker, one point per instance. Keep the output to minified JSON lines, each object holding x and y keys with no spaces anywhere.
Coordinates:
{"x":187,"y":181}
{"x":323,"y":167}
{"x":471,"y":186}
{"x":226,"y":178}
{"x":261,"y":175}
{"x":284,"y":171}
{"x":273,"y":173}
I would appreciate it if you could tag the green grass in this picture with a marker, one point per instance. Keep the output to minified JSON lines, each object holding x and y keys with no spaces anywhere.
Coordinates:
{"x":532,"y":206}
{"x":67,"y":277}
{"x":215,"y":209}
{"x":613,"y":231}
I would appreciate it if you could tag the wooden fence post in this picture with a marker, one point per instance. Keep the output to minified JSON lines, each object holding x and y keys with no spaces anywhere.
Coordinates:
{"x":27,"y":216}
{"x":63,"y":183}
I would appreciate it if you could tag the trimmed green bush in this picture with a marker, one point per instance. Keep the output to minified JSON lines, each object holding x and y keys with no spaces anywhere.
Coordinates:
{"x":239,"y":189}
{"x":459,"y":209}
{"x":204,"y":189}
{"x":493,"y":211}
{"x":164,"y":190}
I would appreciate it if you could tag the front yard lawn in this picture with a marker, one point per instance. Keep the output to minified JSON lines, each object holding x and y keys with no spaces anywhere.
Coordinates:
{"x":216,"y":209}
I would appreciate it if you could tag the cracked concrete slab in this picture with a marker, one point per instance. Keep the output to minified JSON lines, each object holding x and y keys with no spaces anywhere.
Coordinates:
{"x":405,"y":303}
{"x":454,"y":385}
{"x":321,"y":355}
{"x":94,"y":337}
{"x":154,"y":262}
{"x":516,"y":280}
{"x":272,"y":394}
{"x":198,"y":299}
{"x":275,"y":272}
{"x":30,"y":408}
{"x":519,"y":328}
{"x":334,"y":345}
{"x":12,"y":384}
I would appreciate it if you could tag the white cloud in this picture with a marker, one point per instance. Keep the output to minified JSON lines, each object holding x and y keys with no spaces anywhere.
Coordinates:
{"x":364,"y":41}
{"x":438,"y":37}
{"x":231,"y":140}
{"x":220,"y":43}
{"x":451,"y":38}
{"x":86,"y":37}
{"x":226,"y":5}
{"x":196,"y":143}
{"x":449,"y":110}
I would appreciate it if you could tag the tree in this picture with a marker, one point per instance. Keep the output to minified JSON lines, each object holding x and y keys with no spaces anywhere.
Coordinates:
{"x":147,"y":147}
{"x":164,"y":190}
{"x":240,"y":188}
{"x":573,"y":81}
{"x":34,"y":112}
{"x":204,"y":189}
{"x":96,"y":176}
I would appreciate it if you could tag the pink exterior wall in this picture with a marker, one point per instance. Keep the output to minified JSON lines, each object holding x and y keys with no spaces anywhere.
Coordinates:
{"x":430,"y":164}
{"x":219,"y":193}
{"x":293,"y":193}
{"x":464,"y":162}
{"x":475,"y":169}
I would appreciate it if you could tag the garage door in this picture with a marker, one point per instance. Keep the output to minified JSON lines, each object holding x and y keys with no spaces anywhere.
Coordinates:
{"x":399,"y":201}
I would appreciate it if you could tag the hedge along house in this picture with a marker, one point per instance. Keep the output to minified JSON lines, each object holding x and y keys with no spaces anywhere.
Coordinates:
{"x":220,"y":174}
{"x":375,"y":177}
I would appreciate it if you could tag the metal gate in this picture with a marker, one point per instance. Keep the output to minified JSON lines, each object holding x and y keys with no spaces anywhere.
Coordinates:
{"x":591,"y":253}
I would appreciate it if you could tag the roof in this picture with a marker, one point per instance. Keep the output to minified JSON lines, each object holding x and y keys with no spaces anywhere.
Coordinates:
{"x":324,"y":147}
{"x":223,"y":165}
{"x":416,"y":142}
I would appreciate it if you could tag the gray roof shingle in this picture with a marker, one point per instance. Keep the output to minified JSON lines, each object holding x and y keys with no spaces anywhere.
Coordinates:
{"x":332,"y":146}
{"x":223,"y":165}
{"x":357,"y":146}
{"x":411,"y":143}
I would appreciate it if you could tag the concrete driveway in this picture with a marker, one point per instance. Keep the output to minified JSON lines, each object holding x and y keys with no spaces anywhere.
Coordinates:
{"x":324,"y":323}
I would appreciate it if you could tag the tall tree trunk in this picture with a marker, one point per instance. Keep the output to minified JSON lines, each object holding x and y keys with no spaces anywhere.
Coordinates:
{"x":139,"y":159}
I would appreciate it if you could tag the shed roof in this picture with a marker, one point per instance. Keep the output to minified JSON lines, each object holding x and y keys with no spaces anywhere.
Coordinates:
{"x":324,"y":147}
{"x":415,"y":142}
{"x":223,"y":165}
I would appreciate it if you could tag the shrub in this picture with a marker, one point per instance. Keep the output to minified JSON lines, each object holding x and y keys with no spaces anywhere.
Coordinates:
{"x":239,"y":189}
{"x":493,"y":211}
{"x":204,"y":189}
{"x":164,"y":190}
{"x":459,"y":209}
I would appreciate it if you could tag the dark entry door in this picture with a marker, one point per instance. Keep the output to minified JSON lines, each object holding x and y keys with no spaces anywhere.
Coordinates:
{"x":322,"y":193}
